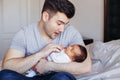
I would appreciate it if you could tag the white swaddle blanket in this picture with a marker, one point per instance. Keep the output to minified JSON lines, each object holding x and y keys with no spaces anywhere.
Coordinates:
{"x":60,"y":57}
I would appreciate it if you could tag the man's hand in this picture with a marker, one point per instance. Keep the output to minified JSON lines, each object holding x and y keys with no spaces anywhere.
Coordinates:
{"x":42,"y":66}
{"x":51,"y":48}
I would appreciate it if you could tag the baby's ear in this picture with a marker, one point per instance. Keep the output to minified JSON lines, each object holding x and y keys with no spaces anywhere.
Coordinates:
{"x":72,"y":58}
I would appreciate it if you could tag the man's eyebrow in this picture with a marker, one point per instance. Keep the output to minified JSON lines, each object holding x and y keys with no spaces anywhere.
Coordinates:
{"x":63,"y":22}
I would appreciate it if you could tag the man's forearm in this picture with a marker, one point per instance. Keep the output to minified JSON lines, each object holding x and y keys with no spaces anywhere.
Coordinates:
{"x":21,"y":64}
{"x":73,"y":67}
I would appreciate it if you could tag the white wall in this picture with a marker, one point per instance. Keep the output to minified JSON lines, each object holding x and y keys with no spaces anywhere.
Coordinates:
{"x":15,"y":14}
{"x":89,"y":18}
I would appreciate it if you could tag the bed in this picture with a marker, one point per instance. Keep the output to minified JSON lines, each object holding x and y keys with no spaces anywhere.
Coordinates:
{"x":105,"y":61}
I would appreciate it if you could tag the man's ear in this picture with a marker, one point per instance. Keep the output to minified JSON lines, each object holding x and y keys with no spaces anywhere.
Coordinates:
{"x":45,"y":16}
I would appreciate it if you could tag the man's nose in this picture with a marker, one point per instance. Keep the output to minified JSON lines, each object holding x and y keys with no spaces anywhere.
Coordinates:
{"x":61,"y":29}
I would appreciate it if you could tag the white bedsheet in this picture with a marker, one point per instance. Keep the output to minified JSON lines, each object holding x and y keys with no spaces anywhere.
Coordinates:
{"x":105,"y":61}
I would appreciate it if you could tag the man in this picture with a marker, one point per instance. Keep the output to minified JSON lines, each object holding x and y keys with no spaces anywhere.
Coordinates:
{"x":33,"y":43}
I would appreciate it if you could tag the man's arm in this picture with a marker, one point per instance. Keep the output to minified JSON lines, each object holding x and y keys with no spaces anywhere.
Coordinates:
{"x":73,"y":67}
{"x":16,"y":60}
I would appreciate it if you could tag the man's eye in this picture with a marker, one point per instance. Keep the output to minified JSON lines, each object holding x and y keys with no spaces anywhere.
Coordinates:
{"x":59,"y":24}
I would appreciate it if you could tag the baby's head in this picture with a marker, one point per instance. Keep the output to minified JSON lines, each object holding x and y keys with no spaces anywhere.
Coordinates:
{"x":77,"y":53}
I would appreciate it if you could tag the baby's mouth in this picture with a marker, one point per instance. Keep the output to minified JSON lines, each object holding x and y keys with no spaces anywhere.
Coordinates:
{"x":65,"y":48}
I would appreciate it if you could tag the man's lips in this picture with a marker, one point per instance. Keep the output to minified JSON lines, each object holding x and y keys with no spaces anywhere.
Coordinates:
{"x":56,"y":33}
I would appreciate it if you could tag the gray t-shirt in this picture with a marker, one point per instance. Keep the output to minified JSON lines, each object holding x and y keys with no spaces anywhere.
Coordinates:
{"x":29,"y":40}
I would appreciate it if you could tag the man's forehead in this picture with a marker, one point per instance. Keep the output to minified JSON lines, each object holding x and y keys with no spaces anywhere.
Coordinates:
{"x":62,"y":17}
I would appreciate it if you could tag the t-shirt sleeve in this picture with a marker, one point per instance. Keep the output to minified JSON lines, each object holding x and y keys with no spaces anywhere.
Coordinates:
{"x":18,"y":42}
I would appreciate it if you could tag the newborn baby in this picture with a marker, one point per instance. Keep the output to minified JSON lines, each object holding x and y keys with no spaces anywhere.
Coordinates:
{"x":76,"y":53}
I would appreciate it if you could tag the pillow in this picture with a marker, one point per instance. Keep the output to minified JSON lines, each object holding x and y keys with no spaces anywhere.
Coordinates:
{"x":116,"y":42}
{"x":98,"y":48}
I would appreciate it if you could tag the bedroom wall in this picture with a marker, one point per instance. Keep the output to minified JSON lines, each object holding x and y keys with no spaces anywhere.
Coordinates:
{"x":89,"y":18}
{"x":14,"y":14}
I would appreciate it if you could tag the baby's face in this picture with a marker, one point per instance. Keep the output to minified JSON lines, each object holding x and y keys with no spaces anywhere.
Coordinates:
{"x":73,"y":50}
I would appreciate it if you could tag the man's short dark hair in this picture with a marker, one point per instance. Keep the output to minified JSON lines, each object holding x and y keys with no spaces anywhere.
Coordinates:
{"x":63,"y":6}
{"x":82,"y":56}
